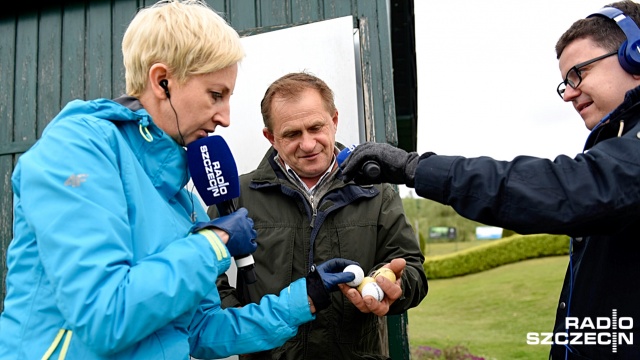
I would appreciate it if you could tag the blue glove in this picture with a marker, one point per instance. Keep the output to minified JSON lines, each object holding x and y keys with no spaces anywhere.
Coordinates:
{"x":239,"y":226}
{"x":325,"y":278}
{"x":332,"y":275}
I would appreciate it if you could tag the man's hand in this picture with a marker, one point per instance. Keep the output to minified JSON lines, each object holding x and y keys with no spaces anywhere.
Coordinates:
{"x":396,"y":165}
{"x":239,"y":226}
{"x":392,"y":291}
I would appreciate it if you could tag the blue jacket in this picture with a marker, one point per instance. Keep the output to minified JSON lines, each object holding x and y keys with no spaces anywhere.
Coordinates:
{"x":102,"y":266}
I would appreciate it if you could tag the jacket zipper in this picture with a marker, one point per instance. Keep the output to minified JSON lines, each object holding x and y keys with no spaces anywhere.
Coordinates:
{"x":314,"y":211}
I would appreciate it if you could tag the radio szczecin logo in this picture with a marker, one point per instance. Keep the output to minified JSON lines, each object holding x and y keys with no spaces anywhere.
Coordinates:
{"x":217,"y":184}
{"x":614,"y":331}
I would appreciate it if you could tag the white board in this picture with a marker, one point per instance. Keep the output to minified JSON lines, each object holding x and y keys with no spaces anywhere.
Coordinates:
{"x":324,"y":49}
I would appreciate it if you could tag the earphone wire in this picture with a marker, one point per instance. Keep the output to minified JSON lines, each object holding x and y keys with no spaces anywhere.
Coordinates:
{"x":182,"y":143}
{"x":194,"y":216}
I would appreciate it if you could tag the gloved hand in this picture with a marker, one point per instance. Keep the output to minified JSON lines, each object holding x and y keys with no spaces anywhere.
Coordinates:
{"x":239,"y":226}
{"x":324,"y":278}
{"x":396,"y":165}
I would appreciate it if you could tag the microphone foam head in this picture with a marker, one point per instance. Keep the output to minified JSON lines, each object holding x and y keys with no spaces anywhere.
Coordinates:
{"x":213,"y":169}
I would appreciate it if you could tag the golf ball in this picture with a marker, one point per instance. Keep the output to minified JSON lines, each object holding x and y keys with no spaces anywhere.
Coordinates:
{"x":372,"y":289}
{"x":357,"y":271}
{"x":386,"y":272}
{"x":365,"y":281}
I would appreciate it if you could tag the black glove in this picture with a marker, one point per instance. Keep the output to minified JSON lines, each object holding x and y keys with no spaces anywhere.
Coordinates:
{"x":396,"y":165}
{"x":324,"y":278}
{"x":239,"y":226}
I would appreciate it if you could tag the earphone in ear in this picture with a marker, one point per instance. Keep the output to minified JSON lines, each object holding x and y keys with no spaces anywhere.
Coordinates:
{"x":165,"y":85}
{"x":629,"y":52}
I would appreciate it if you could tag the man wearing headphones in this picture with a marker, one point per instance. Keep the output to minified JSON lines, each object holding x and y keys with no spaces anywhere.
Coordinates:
{"x":594,"y":197}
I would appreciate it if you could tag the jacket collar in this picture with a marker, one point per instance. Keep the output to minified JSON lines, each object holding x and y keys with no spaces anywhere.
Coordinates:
{"x":269,"y":174}
{"x":163,"y":160}
{"x":628,"y":111}
{"x":268,"y":171}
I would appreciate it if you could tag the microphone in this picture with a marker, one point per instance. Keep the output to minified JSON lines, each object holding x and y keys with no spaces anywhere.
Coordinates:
{"x":370,"y":169}
{"x":215,"y":176}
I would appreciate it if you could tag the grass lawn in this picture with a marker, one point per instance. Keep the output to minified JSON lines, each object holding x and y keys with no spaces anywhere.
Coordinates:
{"x":491,"y":312}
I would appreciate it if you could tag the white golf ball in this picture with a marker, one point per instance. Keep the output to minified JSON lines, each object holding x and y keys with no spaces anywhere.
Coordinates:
{"x":357,"y":271}
{"x":374,"y":290}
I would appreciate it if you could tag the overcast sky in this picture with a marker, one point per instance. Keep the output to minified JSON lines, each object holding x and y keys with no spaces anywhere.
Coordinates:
{"x":487,"y":78}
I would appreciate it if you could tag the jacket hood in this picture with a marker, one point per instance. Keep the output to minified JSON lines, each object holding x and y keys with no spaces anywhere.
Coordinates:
{"x":131,"y":110}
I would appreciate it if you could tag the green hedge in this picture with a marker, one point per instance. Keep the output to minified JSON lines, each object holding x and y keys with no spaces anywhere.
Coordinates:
{"x":495,"y":253}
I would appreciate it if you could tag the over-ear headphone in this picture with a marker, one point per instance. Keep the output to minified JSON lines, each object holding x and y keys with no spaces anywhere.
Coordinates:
{"x":165,"y":85}
{"x":629,"y":51}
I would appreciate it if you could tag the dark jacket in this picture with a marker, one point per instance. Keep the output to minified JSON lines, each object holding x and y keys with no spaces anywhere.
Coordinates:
{"x":594,"y":198}
{"x":362,"y":223}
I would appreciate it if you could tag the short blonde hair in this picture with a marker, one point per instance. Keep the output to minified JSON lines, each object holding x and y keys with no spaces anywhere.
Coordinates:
{"x":188,"y":36}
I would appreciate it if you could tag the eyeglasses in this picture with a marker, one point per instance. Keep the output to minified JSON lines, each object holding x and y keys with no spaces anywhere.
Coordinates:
{"x":574,"y":75}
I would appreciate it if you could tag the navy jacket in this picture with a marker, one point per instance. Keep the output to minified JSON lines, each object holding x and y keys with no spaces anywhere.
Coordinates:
{"x":593,"y":197}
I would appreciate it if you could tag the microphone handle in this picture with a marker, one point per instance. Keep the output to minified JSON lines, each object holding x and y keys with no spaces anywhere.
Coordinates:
{"x":245,"y":264}
{"x":371,"y":169}
{"x":226,"y":207}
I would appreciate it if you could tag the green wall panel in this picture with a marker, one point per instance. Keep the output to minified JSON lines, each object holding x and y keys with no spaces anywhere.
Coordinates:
{"x":49,"y":66}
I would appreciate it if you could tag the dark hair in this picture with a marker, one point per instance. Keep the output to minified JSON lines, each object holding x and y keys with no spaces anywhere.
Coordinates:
{"x":290,"y":86}
{"x":603,"y":31}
